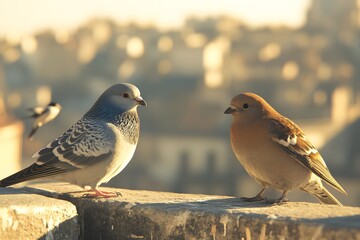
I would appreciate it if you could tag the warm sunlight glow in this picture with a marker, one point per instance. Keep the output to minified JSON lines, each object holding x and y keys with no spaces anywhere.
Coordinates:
{"x":29,"y":44}
{"x":195,"y":40}
{"x":213,"y":56}
{"x":135,"y":47}
{"x":340,"y":105}
{"x":269,"y":52}
{"x":165,"y":44}
{"x":213,"y":79}
{"x":13,"y":38}
{"x":290,"y":70}
{"x":44,"y":14}
{"x":43,"y":95}
{"x":62,"y":36}
{"x":11,"y":55}
{"x":213,"y":61}
{"x":214,"y":53}
{"x":102,"y":32}
{"x":87,"y":50}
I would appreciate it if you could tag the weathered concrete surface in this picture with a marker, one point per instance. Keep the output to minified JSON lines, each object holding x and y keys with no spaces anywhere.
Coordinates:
{"x":30,"y":216}
{"x":159,"y":215}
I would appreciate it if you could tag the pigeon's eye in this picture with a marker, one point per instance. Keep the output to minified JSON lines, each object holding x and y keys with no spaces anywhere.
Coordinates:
{"x":125,"y":95}
{"x":245,"y":106}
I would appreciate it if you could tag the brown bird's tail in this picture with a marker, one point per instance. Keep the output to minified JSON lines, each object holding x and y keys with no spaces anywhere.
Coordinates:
{"x":321,"y":193}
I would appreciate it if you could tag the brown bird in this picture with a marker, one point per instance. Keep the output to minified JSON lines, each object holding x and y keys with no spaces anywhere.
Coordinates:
{"x":275,"y":152}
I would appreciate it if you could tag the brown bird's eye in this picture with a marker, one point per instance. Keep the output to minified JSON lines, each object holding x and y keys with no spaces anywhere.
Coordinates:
{"x":125,"y":95}
{"x":245,"y":106}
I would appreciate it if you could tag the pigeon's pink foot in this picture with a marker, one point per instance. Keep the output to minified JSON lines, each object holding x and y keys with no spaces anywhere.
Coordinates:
{"x":94,"y":193}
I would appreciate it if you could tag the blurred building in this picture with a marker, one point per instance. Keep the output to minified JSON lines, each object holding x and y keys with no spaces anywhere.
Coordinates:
{"x":11,"y":131}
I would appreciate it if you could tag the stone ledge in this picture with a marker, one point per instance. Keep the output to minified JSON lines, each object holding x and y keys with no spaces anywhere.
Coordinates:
{"x":30,"y":216}
{"x":159,"y":215}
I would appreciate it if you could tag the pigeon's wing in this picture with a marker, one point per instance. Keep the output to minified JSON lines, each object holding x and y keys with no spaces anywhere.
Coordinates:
{"x":84,"y":144}
{"x":293,"y":141}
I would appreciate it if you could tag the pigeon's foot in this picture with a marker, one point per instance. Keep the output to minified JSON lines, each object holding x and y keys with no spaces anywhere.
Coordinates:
{"x":94,"y":193}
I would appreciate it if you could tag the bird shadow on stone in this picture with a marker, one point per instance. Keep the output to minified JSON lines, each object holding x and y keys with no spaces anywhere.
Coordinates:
{"x":12,"y":191}
{"x":221,"y":203}
{"x":68,"y":229}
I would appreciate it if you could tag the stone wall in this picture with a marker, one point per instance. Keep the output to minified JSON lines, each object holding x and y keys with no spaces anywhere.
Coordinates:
{"x":59,"y":211}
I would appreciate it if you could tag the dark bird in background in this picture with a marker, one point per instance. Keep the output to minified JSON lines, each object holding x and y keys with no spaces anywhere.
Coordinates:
{"x":43,"y":115}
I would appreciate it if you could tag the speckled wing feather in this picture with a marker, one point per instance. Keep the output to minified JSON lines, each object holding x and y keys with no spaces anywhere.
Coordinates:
{"x":85,"y":143}
{"x":293,"y":141}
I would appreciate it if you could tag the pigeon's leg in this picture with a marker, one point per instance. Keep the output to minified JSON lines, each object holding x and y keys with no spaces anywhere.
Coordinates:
{"x":97,"y":193}
{"x":257,"y":198}
{"x":280,"y":199}
{"x":109,"y":192}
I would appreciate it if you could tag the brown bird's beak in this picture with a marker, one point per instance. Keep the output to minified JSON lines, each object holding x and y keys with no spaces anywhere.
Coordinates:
{"x":229,"y":110}
{"x":140,"y":101}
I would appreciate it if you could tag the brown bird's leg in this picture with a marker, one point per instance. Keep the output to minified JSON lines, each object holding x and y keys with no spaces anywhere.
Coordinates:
{"x":280,"y":199}
{"x":257,"y":198}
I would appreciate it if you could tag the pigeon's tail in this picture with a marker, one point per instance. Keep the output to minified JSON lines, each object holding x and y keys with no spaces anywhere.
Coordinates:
{"x":33,"y":130}
{"x":18,"y":177}
{"x":321,"y":193}
{"x":32,"y":172}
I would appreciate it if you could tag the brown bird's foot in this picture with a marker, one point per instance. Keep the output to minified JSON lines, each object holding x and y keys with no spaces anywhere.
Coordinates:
{"x":254,"y":199}
{"x":94,"y":193}
{"x":257,"y":198}
{"x":279,"y":200}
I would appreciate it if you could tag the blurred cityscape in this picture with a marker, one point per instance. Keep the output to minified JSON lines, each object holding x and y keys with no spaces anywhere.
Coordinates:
{"x":188,"y":77}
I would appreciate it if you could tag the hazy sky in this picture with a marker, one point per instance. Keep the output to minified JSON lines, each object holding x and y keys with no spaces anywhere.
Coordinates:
{"x":26,"y":16}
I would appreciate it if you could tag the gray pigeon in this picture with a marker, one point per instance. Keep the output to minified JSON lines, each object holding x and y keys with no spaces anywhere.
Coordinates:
{"x":94,"y":149}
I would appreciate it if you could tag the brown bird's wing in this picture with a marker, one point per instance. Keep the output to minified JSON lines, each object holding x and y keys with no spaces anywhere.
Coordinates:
{"x":293,"y":141}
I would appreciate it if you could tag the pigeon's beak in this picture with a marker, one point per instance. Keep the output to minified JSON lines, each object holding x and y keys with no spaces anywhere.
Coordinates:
{"x":230,"y":110}
{"x":140,"y":101}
